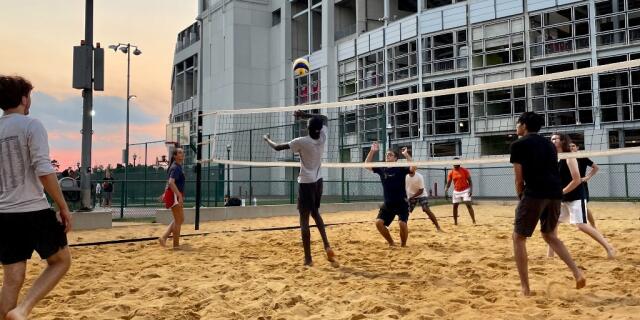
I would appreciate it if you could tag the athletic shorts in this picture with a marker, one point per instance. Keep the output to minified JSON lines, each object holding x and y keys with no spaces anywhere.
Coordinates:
{"x":309,"y":196}
{"x":423,"y":201}
{"x":388,"y":212}
{"x":574,"y":212}
{"x":461,"y":196}
{"x":170,"y":199}
{"x":530,"y":210}
{"x":23,"y":232}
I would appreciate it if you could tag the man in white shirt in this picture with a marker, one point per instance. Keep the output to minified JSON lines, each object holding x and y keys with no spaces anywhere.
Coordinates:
{"x":414,"y":184}
{"x":310,"y":186}
{"x":27,"y":222}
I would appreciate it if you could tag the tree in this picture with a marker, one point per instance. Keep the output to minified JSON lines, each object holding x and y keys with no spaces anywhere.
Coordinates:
{"x":55,"y":164}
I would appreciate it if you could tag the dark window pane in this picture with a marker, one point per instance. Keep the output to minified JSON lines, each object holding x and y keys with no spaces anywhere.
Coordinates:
{"x":614,"y":80}
{"x":562,"y":118}
{"x":501,"y":94}
{"x":559,"y":68}
{"x":609,"y":114}
{"x":445,"y":114}
{"x":445,"y":127}
{"x":560,"y":86}
{"x":584,"y":100}
{"x":496,"y":145}
{"x":446,"y":100}
{"x":463,"y":126}
{"x":497,"y":58}
{"x":498,"y":108}
{"x":562,"y":102}
{"x":586,"y":116}
{"x":584,"y":84}
{"x":581,"y":12}
{"x":558,"y":16}
{"x":519,"y":106}
{"x":462,"y":36}
{"x":631,"y":138}
{"x":463,"y":112}
{"x":614,"y":97}
{"x":535,"y":21}
{"x":519,"y":92}
{"x":443,"y":39}
{"x":445,"y":149}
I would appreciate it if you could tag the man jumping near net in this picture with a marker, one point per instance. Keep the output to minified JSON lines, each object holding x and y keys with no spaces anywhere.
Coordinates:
{"x":310,"y":148}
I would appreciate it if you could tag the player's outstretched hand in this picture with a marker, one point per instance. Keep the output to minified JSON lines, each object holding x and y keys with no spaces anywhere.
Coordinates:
{"x":375,"y":147}
{"x":405,"y":151}
{"x":266,"y":137}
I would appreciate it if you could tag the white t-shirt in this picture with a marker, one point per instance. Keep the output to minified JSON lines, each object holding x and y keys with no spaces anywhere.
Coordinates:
{"x":414,"y":184}
{"x":24,"y":156}
{"x":310,"y":151}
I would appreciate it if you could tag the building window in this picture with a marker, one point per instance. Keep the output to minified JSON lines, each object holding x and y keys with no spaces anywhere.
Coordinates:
{"x":499,"y":102}
{"x":348,"y":120}
{"x":402,"y":61}
{"x":619,"y":92}
{"x":403,"y":115}
{"x":307,"y":88}
{"x":185,"y":84}
{"x":496,"y":145}
{"x":445,"y":52}
{"x":617,"y":22}
{"x":445,"y":149}
{"x":276,"y":16}
{"x":431,"y":4}
{"x":624,"y":138}
{"x":347,"y":82}
{"x":498,"y":43}
{"x":560,"y":31}
{"x":371,"y":121}
{"x":446,"y":114}
{"x":371,"y":70}
{"x":565,"y":101}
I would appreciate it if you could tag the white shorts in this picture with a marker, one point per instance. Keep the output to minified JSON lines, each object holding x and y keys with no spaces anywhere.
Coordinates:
{"x":574,"y":212}
{"x":461,"y":196}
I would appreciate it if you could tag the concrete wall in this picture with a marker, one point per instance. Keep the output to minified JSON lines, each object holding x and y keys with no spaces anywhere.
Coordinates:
{"x":231,"y":213}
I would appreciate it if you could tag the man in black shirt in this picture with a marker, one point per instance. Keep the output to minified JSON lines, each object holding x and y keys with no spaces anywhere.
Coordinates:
{"x":395,"y":195}
{"x":583,"y":163}
{"x":537,"y":184}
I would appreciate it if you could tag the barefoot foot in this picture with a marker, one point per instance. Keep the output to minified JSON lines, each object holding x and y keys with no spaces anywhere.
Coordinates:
{"x":16,"y":314}
{"x":162,"y":241}
{"x":581,"y":282}
{"x":331,"y":256}
{"x":611,"y":253}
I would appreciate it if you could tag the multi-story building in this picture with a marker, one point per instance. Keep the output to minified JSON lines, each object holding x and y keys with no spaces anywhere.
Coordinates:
{"x":376,"y":48}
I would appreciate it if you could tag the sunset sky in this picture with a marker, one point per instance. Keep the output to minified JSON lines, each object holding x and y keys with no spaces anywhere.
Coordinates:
{"x":37,"y":39}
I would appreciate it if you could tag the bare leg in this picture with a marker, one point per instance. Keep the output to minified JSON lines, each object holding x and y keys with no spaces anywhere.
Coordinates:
{"x":384,"y":231}
{"x":549,"y":249}
{"x":455,"y":213}
{"x":166,"y":234}
{"x":590,"y":217}
{"x":306,"y":237}
{"x":471,"y":213}
{"x":595,"y":234}
{"x":432,"y":217}
{"x":14,"y":275}
{"x":57,"y":267}
{"x":558,"y":246}
{"x":178,"y":219}
{"x":522,"y":261}
{"x":323,"y":234}
{"x":404,"y":233}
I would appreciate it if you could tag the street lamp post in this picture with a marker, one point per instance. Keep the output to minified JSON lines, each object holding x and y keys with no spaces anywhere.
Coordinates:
{"x":134,"y":159}
{"x":228,"y":171}
{"x":126,"y":49}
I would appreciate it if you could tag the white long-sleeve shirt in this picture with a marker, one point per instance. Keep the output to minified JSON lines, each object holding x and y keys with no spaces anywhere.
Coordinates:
{"x":24,"y":156}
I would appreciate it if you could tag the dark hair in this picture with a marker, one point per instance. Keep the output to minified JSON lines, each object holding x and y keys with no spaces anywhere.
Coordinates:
{"x":565,"y":141}
{"x":532,"y":120}
{"x":315,"y":126}
{"x":12,"y":89}
{"x":174,"y":153}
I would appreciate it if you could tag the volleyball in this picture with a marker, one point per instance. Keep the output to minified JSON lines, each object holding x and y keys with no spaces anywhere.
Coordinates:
{"x":300,"y":67}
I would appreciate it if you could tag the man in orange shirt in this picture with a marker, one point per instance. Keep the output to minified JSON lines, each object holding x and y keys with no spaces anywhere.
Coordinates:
{"x":462,"y":189}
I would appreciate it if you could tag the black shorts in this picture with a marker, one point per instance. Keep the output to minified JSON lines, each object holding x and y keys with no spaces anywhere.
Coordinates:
{"x":309,"y":196}
{"x":22,"y":233}
{"x":423,"y":201}
{"x":388,"y":212}
{"x":530,"y":210}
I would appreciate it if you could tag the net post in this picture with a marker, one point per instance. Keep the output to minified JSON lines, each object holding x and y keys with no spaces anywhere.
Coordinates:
{"x":198,"y":171}
{"x":626,"y":180}
{"x":251,"y":167}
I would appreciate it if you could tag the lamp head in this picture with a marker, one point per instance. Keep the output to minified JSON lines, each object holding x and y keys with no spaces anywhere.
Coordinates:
{"x":123,"y":49}
{"x":228,"y":147}
{"x":137,"y":52}
{"x":132,"y":97}
{"x":114,"y":47}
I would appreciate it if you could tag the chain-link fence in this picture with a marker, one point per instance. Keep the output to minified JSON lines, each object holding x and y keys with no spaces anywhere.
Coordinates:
{"x":144,"y":185}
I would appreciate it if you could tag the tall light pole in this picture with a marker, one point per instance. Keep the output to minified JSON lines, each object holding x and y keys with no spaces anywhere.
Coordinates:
{"x":126,"y":49}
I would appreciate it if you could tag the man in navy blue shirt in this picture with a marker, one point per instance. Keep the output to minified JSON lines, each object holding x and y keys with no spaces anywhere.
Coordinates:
{"x":395,"y":195}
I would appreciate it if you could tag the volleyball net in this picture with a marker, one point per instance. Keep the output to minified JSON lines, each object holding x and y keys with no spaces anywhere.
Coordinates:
{"x":598,"y":107}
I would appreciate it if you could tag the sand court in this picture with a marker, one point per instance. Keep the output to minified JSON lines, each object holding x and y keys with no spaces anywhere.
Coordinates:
{"x":468,"y":272}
